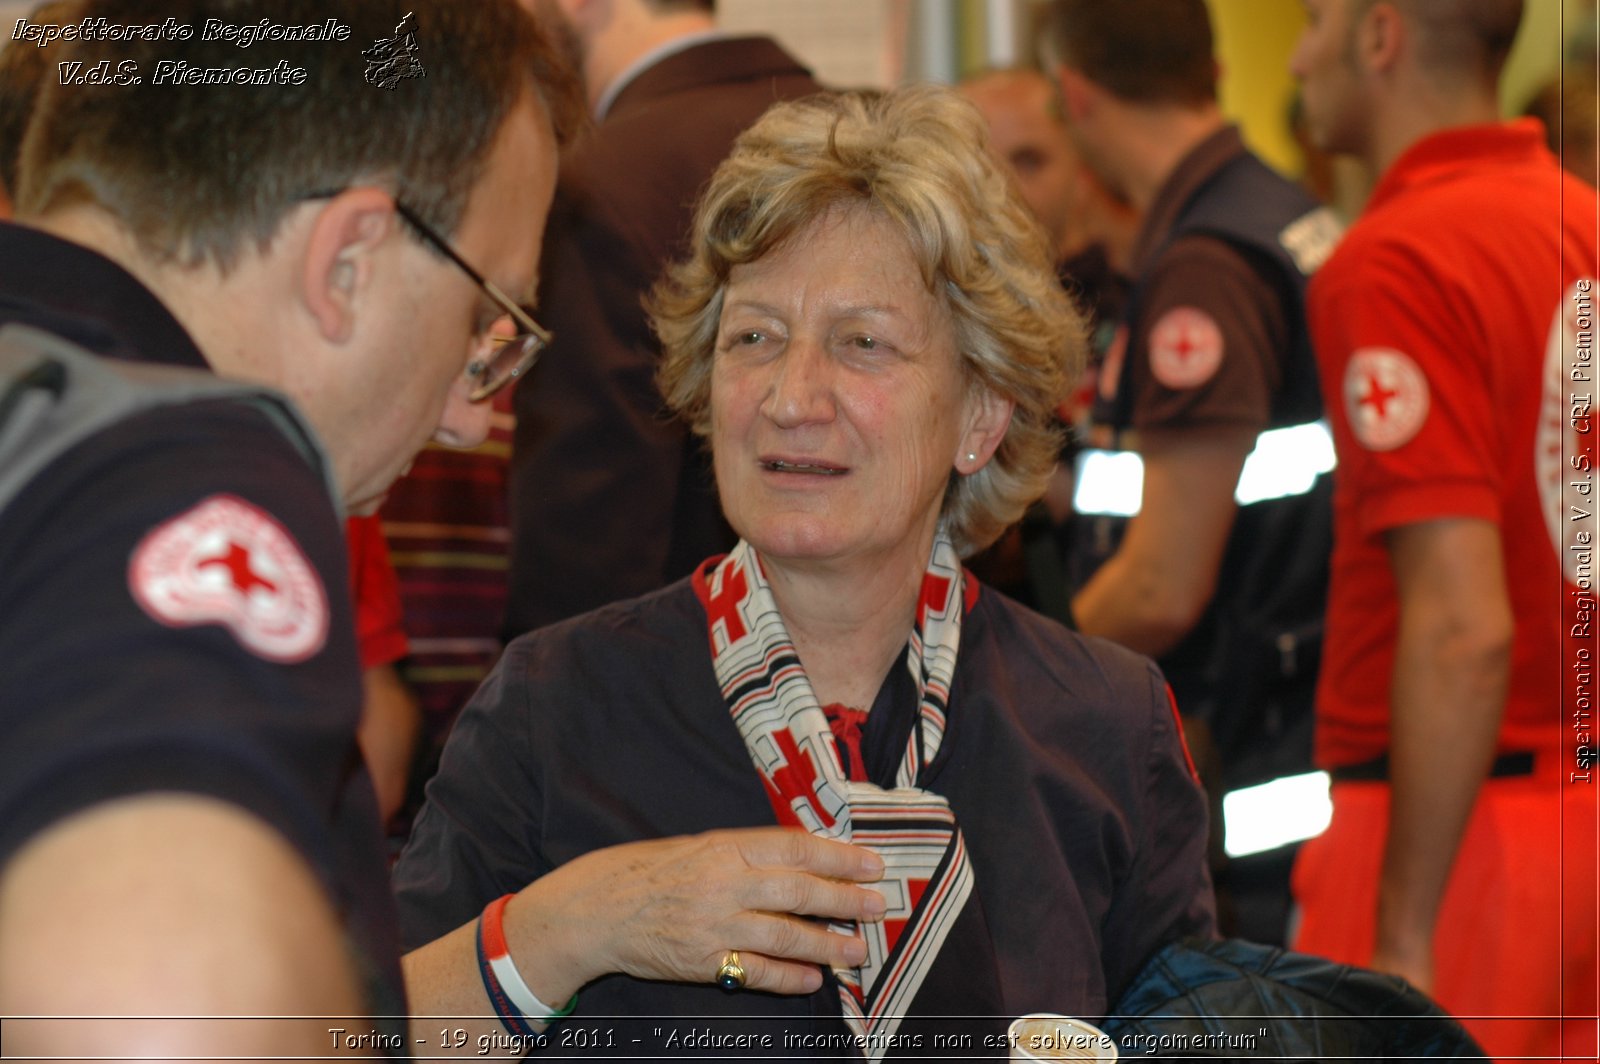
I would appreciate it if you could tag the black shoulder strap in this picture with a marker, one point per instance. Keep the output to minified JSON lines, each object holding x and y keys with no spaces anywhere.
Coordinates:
{"x":1248,"y":205}
{"x":54,"y":394}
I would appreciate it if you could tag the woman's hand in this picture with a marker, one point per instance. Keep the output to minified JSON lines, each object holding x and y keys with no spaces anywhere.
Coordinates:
{"x":671,"y":909}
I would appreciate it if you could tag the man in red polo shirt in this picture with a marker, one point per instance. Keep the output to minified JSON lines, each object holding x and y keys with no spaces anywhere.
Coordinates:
{"x":1454,"y":334}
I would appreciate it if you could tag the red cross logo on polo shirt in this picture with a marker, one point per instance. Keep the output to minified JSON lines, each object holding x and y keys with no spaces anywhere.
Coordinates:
{"x":1377,"y":396}
{"x":1386,"y":398}
{"x":797,"y":779}
{"x":236,"y":560}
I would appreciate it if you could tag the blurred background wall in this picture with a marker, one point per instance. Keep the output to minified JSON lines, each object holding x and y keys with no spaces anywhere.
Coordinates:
{"x":883,"y":42}
{"x":880,"y":43}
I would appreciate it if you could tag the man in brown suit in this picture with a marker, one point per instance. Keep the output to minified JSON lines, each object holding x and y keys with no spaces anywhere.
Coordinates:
{"x":610,"y":498}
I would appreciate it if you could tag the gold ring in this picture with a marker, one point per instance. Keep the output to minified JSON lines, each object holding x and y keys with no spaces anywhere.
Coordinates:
{"x":731,"y":975}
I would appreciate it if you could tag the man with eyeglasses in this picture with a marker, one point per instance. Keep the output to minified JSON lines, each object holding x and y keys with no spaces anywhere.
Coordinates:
{"x":507,"y":356}
{"x":233,"y":311}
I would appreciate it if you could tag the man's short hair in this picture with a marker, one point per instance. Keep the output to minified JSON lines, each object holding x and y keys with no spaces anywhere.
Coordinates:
{"x":1470,"y":37}
{"x":23,"y":72}
{"x":194,"y":170}
{"x":1143,"y":51}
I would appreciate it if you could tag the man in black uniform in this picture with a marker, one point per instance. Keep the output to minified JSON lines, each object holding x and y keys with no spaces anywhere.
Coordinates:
{"x":1221,"y":576}
{"x":185,"y":828}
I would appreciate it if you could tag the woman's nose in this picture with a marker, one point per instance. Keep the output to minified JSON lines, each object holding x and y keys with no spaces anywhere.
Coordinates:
{"x":802,"y":385}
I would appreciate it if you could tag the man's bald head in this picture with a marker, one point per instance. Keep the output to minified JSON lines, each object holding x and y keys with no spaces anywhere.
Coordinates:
{"x":1460,"y":38}
{"x":1026,"y":133}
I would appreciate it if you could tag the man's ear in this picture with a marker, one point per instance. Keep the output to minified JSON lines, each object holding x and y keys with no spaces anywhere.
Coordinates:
{"x":339,"y":261}
{"x":988,"y":419}
{"x":1381,"y":37}
{"x":1077,"y":93}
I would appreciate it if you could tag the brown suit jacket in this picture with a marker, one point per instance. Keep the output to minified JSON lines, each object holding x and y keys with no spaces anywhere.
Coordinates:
{"x":610,"y":497}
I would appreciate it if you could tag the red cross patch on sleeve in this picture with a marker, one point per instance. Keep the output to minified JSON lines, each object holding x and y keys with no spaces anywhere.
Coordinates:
{"x":1385,"y":397}
{"x":227,"y":562}
{"x":1185,"y":348}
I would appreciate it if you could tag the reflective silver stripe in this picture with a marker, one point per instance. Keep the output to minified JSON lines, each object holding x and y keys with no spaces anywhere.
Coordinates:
{"x":1269,"y":815}
{"x":1108,"y":482}
{"x":1284,"y":463}
{"x":1311,"y":238}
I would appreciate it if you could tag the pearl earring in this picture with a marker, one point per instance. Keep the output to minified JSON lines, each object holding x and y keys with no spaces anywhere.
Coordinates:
{"x":972,"y":456}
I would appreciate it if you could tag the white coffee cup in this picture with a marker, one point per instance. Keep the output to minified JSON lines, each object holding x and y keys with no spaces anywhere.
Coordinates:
{"x":1047,"y":1036}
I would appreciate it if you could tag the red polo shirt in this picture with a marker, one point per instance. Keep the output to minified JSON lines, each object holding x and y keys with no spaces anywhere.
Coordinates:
{"x":1450,"y":326}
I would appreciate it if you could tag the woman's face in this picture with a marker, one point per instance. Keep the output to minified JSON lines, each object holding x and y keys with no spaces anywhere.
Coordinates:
{"x":838,"y":406}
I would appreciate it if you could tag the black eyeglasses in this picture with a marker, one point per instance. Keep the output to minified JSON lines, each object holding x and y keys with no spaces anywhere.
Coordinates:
{"x":515,"y":355}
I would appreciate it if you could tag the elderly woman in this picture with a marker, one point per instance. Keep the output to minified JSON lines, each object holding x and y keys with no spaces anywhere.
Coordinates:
{"x":870,"y":336}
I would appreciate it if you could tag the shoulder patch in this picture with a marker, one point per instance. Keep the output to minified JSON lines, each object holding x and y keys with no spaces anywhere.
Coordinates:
{"x":1385,"y":397}
{"x":1311,"y":238}
{"x":227,"y":562}
{"x":1185,"y":348}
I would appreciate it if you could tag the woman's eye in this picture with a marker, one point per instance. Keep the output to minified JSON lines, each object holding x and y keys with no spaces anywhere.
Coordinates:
{"x":866,"y":343}
{"x":734,"y":340}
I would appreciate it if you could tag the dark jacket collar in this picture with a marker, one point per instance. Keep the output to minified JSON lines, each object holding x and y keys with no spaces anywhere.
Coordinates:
{"x":84,"y":297}
{"x":1186,"y":179}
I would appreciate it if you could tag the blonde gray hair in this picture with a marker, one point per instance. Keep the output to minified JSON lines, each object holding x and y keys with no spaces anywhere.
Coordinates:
{"x":915,"y":157}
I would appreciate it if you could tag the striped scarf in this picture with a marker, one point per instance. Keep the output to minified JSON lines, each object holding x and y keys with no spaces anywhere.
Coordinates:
{"x":928,"y":878}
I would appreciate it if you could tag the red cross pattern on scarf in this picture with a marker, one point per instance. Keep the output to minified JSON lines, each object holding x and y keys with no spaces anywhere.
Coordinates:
{"x":928,"y":877}
{"x":722,"y":606}
{"x":795,"y":784}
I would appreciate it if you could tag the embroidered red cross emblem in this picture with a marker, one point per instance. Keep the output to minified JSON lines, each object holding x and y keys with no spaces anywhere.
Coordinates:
{"x":1185,"y":348}
{"x":1385,"y":397}
{"x":237,"y":561}
{"x":1183,"y":344}
{"x":724,"y":605}
{"x":797,"y":779}
{"x":1377,"y":396}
